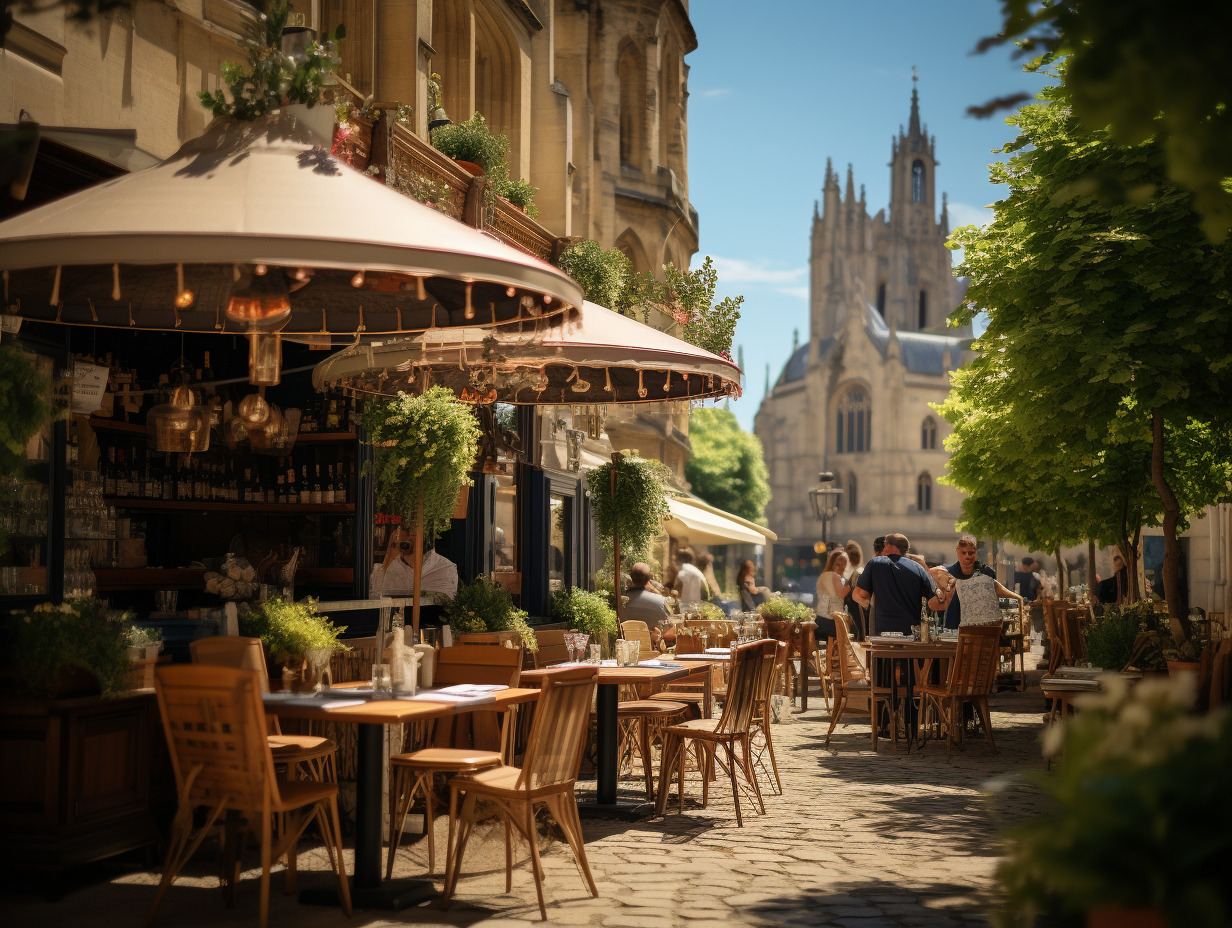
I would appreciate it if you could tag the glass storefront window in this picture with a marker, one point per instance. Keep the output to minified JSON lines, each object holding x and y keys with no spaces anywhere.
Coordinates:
{"x":561,"y":543}
{"x":505,"y":531}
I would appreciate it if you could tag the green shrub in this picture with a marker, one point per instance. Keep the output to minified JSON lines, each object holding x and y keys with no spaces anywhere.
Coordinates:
{"x":482,"y":606}
{"x":289,"y":628}
{"x":602,"y":275}
{"x":712,"y":613}
{"x":473,"y":141}
{"x":586,"y":612}
{"x":520,"y":193}
{"x":77,"y":633}
{"x":1110,"y":639}
{"x":776,"y":608}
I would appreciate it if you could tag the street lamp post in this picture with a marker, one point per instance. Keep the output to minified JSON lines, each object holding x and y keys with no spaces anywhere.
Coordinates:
{"x":825,"y":499}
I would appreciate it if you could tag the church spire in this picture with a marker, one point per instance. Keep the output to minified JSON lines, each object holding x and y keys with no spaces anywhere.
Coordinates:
{"x":851,"y":184}
{"x":767,"y":390}
{"x":913,"y":128}
{"x":829,"y":172}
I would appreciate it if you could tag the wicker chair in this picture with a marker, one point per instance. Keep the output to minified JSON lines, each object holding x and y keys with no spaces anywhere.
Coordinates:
{"x":972,"y":675}
{"x":215,"y":728}
{"x":315,"y":754}
{"x":752,"y":668}
{"x":455,"y":749}
{"x":854,"y":691}
{"x":546,"y":777}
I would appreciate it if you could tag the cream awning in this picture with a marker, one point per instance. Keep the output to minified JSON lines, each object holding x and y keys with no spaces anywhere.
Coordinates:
{"x":703,"y":524}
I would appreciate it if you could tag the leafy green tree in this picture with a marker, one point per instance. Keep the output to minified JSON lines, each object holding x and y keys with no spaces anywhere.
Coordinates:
{"x":728,"y":468}
{"x":1109,"y":339}
{"x":1148,"y":70}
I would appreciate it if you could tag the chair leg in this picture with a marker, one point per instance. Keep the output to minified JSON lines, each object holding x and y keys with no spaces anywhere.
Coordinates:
{"x":644,"y":733}
{"x":563,"y":807}
{"x":840,"y":705}
{"x":426,"y":784}
{"x":266,"y":840}
{"x":982,"y":705}
{"x":536,"y":866}
{"x":398,"y":807}
{"x":335,"y":826}
{"x":507,"y":823}
{"x":750,"y":772}
{"x":731,"y":775}
{"x":464,"y":817}
{"x":667,"y":757}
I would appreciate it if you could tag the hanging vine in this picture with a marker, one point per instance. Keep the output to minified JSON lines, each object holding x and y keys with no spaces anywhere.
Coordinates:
{"x":637,"y":507}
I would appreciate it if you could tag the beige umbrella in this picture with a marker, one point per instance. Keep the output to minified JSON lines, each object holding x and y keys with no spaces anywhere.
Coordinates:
{"x":257,"y":218}
{"x":596,"y":356}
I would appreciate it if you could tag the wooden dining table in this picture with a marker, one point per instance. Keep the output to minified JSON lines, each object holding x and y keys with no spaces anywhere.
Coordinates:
{"x":611,"y":678}
{"x":918,"y":658}
{"x":371,"y":717}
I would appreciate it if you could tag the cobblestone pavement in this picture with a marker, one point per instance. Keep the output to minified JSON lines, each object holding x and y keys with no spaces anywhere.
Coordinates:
{"x":858,"y":839}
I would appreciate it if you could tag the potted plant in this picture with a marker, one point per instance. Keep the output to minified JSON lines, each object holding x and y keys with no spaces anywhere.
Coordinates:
{"x":520,"y":193}
{"x":76,"y":648}
{"x":474,"y":146}
{"x":1110,"y":639}
{"x":289,"y":630}
{"x":1159,"y":648}
{"x":425,"y":450}
{"x":587,"y":612}
{"x":143,"y":647}
{"x":483,"y":606}
{"x":629,"y":503}
{"x":1137,"y":825}
{"x":602,"y":275}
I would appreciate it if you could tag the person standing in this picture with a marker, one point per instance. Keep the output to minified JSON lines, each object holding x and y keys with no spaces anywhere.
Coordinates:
{"x":1025,"y":581}
{"x":832,"y":590}
{"x":690,"y":582}
{"x":855,"y":566}
{"x":746,"y":583}
{"x":900,"y":585}
{"x":977,"y":589}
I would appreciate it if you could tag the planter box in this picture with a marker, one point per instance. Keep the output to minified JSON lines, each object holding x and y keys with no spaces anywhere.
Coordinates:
{"x":80,"y":779}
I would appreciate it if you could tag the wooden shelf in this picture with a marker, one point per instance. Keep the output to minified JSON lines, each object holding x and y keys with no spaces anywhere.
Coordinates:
{"x":123,"y":502}
{"x":193,"y":578}
{"x":135,"y":428}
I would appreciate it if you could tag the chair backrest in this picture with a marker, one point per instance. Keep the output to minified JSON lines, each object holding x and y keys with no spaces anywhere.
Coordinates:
{"x":752,"y":667}
{"x":552,"y":648}
{"x":507,"y":638}
{"x":215,"y":727}
{"x":776,"y":673}
{"x":976,"y":655}
{"x":356,"y":664}
{"x":688,"y":641}
{"x":1071,"y":633}
{"x":850,"y":668}
{"x":558,"y":735}
{"x":232,"y":651}
{"x":471,"y":663}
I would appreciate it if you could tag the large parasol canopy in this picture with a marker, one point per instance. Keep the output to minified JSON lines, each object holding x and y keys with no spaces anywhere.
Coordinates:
{"x":596,"y":356}
{"x":250,"y":208}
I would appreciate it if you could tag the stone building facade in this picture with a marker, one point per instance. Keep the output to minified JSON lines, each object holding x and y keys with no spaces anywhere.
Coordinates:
{"x":854,"y":400}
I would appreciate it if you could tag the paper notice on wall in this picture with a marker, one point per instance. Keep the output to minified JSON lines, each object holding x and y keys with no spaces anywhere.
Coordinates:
{"x":89,"y":387}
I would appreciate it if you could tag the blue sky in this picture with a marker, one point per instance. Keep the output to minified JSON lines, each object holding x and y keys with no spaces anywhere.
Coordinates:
{"x":771,"y":96}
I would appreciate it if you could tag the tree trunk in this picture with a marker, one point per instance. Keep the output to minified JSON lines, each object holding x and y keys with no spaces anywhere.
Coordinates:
{"x":1172,"y":517}
{"x":1091,"y":569}
{"x":417,"y":580}
{"x":1061,"y":587}
{"x":616,"y":458}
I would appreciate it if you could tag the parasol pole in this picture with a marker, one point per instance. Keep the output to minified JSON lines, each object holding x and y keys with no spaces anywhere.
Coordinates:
{"x":417,"y":581}
{"x":616,"y":458}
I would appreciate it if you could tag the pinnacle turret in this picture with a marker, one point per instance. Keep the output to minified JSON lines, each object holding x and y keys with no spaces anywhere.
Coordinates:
{"x":913,"y":127}
{"x":851,"y":184}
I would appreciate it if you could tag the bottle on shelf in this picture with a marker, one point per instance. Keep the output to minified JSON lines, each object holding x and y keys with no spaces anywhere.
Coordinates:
{"x":305,"y":487}
{"x":318,"y":493}
{"x":327,"y":488}
{"x":292,"y":490}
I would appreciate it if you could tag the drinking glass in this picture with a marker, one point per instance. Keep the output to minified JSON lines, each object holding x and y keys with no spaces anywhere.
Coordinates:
{"x":318,"y":660}
{"x":382,"y":682}
{"x":596,"y":654}
{"x":580,"y":640}
{"x":428,"y":636}
{"x":568,"y":639}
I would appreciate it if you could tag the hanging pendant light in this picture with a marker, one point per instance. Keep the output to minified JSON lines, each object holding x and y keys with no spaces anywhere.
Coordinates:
{"x":260,"y":300}
{"x":253,"y":411}
{"x":264,"y":359}
{"x":180,"y":425}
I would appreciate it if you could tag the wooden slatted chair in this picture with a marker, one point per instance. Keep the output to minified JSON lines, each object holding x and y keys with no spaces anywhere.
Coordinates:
{"x":456,"y":746}
{"x":854,"y":692}
{"x":552,"y":648}
{"x":507,"y":638}
{"x":761,"y":723}
{"x":546,"y":777}
{"x":973,"y":673}
{"x":636,"y":630}
{"x":752,"y":668}
{"x":216,"y":733}
{"x":315,"y":754}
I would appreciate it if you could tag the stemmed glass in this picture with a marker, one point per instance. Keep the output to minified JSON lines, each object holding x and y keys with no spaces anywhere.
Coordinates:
{"x":571,"y":645}
{"x":580,"y":640}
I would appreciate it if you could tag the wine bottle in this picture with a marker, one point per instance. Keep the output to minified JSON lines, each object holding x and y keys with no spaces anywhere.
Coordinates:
{"x":327,"y":488}
{"x":305,"y":487}
{"x":318,"y":494}
{"x":292,"y":489}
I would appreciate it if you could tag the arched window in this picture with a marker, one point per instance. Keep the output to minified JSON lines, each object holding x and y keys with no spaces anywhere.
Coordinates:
{"x":924,"y":493}
{"x":923,"y":310}
{"x":631,"y":73}
{"x":917,"y":181}
{"x":853,"y":421}
{"x":928,"y":434}
{"x":881,"y":299}
{"x":852,"y":502}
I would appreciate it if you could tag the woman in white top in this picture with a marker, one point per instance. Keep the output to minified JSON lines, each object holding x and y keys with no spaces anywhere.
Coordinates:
{"x":395,"y":573}
{"x":832,"y":589}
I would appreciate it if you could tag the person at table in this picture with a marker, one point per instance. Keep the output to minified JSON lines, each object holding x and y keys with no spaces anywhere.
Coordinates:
{"x":750,"y":596}
{"x":1025,"y":581}
{"x":1115,"y":589}
{"x":396,"y":573}
{"x":855,"y":567}
{"x":977,"y":589}
{"x":641,"y":603}
{"x":900,"y":585}
{"x":832,"y":591}
{"x":690,"y":582}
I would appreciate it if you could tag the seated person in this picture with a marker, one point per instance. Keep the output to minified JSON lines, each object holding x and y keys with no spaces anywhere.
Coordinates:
{"x":640,"y":603}
{"x":395,"y":574}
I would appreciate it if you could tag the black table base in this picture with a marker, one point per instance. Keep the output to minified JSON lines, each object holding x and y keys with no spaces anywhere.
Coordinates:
{"x":389,"y":896}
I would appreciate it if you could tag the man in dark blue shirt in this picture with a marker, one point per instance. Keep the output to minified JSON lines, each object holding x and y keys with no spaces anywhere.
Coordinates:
{"x":900,"y":584}
{"x":964,"y":569}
